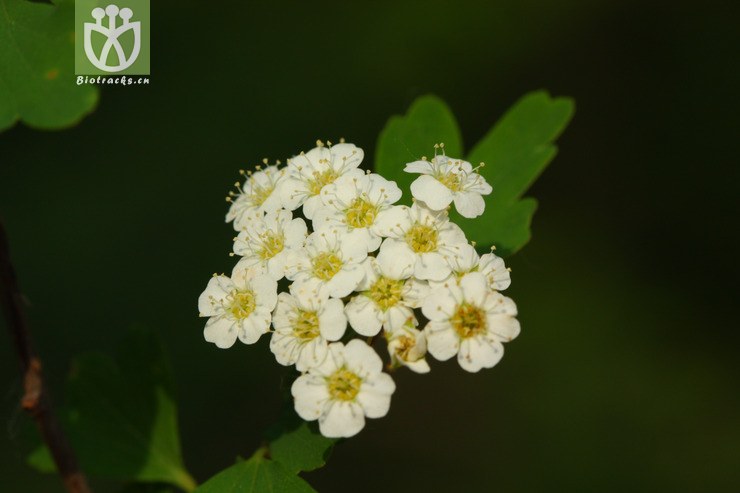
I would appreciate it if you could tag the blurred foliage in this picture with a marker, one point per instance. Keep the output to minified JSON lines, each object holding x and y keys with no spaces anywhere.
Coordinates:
{"x":37,"y":81}
{"x":121,"y":416}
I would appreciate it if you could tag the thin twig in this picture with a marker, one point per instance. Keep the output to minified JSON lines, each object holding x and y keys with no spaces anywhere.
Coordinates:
{"x":35,"y":400}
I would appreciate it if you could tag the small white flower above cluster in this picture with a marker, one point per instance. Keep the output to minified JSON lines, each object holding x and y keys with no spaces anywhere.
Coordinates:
{"x":359,"y":260}
{"x":445,"y":180}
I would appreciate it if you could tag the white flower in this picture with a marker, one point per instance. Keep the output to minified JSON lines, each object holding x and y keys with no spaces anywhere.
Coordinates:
{"x":470,"y":320}
{"x":239,"y":306}
{"x":423,"y":237}
{"x":308,"y":173}
{"x":356,"y":204}
{"x":328,"y":265}
{"x":303,"y":326}
{"x":258,"y":195}
{"x":466,"y":260}
{"x":266,"y":241}
{"x":407,"y":346}
{"x":387,"y":296}
{"x":446,"y":179}
{"x":496,"y":272}
{"x":348,"y":386}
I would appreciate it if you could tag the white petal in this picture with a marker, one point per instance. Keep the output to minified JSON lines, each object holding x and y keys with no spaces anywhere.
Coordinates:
{"x":346,"y":156}
{"x":393,"y":221}
{"x":345,"y":281}
{"x":375,"y":395}
{"x":217,"y":289}
{"x":311,"y":395}
{"x":332,"y":320}
{"x":396,"y":251}
{"x":265,"y":289}
{"x":295,"y":233}
{"x":342,"y":420}
{"x":441,"y":303}
{"x":396,"y":260}
{"x":431,"y":266}
{"x":312,"y":354}
{"x":364,"y":316}
{"x":292,"y":193}
{"x":419,"y":366}
{"x":253,"y":327}
{"x":469,"y":204}
{"x":311,"y":205}
{"x":362,"y":359}
{"x":503,"y":326}
{"x":221,"y":331}
{"x":475,"y":288}
{"x":430,"y":191}
{"x":442,"y":341}
{"x":421,"y":166}
{"x":479,"y":352}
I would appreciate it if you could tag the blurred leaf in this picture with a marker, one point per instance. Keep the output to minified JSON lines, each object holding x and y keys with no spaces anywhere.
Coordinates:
{"x":298,"y":445}
{"x":37,"y":80}
{"x":121,"y":417}
{"x":407,"y":138}
{"x":516,"y":150}
{"x":256,"y":475}
{"x":147,"y":488}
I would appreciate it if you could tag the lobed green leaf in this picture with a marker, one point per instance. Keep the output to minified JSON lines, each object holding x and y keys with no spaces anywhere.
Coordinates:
{"x":256,"y":475}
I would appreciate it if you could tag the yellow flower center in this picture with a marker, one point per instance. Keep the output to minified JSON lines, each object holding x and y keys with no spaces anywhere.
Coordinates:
{"x":385,"y":292}
{"x":405,"y":345}
{"x":468,"y":321}
{"x":361,"y":213}
{"x":272,"y":244}
{"x":325,"y":265}
{"x":451,"y":180}
{"x":320,"y":180}
{"x":344,"y":385}
{"x":422,"y":238}
{"x":306,"y":326}
{"x":260,"y":194}
{"x":242,"y":304}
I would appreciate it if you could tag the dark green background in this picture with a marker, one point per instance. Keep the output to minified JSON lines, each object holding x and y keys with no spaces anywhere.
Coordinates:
{"x":625,"y":377}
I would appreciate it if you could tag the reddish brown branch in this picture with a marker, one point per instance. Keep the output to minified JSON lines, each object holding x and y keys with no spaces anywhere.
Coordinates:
{"x":35,"y":400}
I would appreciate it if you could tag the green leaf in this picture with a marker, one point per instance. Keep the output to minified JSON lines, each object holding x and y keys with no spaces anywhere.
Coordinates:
{"x":300,"y":447}
{"x":407,"y":138}
{"x":256,"y":475}
{"x":37,"y":80}
{"x":121,"y":417}
{"x":516,"y":151}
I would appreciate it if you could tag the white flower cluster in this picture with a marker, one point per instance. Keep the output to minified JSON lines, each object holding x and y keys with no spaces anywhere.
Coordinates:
{"x":366,"y":263}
